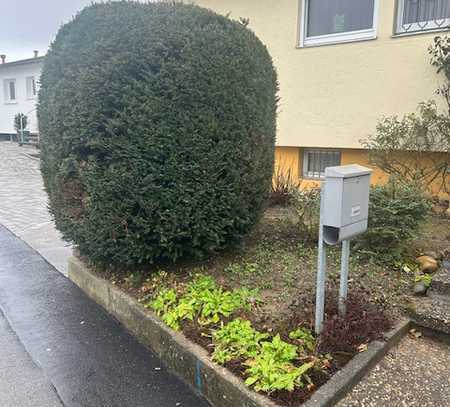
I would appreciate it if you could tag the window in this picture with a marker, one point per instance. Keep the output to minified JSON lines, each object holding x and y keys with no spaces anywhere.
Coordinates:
{"x":334,"y":21}
{"x":315,"y":162}
{"x":31,"y":87}
{"x":10,"y":90}
{"x":422,"y":15}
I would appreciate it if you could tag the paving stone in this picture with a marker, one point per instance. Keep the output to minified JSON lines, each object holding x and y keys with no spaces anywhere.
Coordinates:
{"x":23,"y":205}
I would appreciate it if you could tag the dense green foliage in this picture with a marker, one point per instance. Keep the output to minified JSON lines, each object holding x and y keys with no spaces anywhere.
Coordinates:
{"x":202,"y":301}
{"x":270,"y":362}
{"x":157,"y":128}
{"x":237,"y":339}
{"x":396,"y":212}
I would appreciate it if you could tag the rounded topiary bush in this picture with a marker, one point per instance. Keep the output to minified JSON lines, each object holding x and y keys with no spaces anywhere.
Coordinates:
{"x":157,"y":127}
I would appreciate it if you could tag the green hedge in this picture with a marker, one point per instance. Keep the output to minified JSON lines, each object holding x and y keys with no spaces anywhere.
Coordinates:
{"x":157,"y":127}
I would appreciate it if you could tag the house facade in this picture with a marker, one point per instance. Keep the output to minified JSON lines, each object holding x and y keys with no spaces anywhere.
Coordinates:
{"x":19,"y":83}
{"x":342,"y":65}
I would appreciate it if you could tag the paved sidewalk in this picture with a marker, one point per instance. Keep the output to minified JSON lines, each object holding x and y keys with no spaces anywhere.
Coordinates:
{"x":87,"y":356}
{"x":23,"y":204}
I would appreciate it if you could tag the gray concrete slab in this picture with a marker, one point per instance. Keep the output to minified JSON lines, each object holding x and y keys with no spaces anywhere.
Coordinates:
{"x":87,"y":355}
{"x":23,"y":205}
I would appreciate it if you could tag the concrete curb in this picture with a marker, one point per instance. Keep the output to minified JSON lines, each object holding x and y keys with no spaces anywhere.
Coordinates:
{"x":192,"y":363}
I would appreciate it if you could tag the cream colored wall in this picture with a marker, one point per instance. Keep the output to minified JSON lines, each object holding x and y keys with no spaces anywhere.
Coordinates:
{"x":332,"y":96}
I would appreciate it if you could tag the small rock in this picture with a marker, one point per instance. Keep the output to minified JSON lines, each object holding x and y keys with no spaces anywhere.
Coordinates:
{"x":420,"y":288}
{"x":427,"y":264}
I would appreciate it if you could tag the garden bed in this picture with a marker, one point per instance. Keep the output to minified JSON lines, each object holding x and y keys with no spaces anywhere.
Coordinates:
{"x":280,"y":267}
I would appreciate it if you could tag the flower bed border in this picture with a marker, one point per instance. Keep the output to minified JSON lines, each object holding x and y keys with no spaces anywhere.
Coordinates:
{"x":193,"y":364}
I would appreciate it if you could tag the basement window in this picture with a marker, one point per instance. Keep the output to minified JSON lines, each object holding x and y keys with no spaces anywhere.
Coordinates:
{"x":415,"y":16}
{"x":315,"y":161}
{"x":336,"y":21}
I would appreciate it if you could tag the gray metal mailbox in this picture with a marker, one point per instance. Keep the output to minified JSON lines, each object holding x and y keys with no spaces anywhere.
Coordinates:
{"x":346,"y":202}
{"x":344,"y":210}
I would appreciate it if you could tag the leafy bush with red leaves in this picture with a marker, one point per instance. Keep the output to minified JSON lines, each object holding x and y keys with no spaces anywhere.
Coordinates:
{"x":364,"y":322}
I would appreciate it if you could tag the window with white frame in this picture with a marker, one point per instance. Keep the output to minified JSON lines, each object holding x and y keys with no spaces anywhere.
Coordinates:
{"x":422,"y":15}
{"x":10,"y":90}
{"x":31,"y":87}
{"x":334,"y":21}
{"x":316,"y":160}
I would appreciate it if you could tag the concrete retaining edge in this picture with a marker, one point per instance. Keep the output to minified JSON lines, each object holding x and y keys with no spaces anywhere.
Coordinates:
{"x":192,"y":363}
{"x":343,"y":381}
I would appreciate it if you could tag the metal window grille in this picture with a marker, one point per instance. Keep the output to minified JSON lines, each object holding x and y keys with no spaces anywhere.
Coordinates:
{"x":422,"y":15}
{"x":315,"y":162}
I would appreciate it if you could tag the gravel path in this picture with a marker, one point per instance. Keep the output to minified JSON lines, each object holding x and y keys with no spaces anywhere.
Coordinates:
{"x":415,"y":373}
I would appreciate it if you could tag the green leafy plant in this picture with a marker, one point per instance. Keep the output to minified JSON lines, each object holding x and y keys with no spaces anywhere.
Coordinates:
{"x":272,"y":369}
{"x":426,"y":279}
{"x":304,"y":337}
{"x":203,"y":300}
{"x":280,"y":350}
{"x":168,"y":150}
{"x":268,"y":375}
{"x":235,"y":340}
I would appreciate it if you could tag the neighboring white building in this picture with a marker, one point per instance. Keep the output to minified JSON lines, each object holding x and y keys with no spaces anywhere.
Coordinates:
{"x":19,"y":83}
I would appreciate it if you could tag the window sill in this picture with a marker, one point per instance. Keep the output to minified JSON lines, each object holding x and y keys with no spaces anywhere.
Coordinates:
{"x":11,"y":103}
{"x":335,"y":40}
{"x":306,"y":178}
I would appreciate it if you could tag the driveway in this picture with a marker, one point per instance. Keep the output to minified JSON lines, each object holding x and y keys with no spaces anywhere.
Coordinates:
{"x":23,"y":204}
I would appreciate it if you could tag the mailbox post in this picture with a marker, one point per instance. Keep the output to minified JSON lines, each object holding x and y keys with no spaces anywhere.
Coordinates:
{"x":344,"y":210}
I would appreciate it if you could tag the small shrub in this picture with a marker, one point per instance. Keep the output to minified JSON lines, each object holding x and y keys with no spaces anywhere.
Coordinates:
{"x":396,"y":212}
{"x":306,"y":202}
{"x":20,"y":122}
{"x":414,"y":148}
{"x":364,"y":321}
{"x":283,"y":185}
{"x":158,"y":125}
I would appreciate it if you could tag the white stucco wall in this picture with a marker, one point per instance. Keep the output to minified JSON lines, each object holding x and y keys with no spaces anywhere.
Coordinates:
{"x":23,"y":104}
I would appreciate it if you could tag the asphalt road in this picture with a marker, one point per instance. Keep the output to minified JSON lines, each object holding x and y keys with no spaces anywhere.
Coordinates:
{"x":58,"y":347}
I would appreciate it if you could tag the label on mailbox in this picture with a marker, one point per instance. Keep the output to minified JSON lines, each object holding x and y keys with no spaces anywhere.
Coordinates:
{"x":356,"y":211}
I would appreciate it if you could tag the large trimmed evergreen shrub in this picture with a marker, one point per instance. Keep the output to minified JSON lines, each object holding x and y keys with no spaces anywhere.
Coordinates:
{"x":157,"y":128}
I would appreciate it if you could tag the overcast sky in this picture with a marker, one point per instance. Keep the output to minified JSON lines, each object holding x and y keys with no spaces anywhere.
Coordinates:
{"x":26,"y":25}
